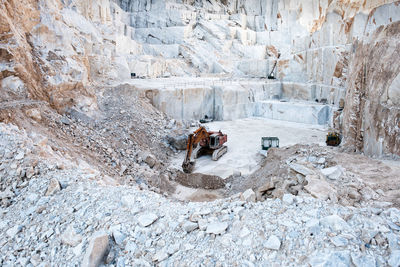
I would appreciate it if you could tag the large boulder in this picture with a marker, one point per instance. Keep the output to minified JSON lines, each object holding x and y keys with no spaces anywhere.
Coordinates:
{"x":97,"y":250}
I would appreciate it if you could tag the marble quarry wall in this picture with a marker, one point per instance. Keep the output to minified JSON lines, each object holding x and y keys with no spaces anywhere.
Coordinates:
{"x":318,"y":45}
{"x":313,"y":38}
{"x":372,"y":111}
{"x":235,"y":100}
{"x":59,"y":51}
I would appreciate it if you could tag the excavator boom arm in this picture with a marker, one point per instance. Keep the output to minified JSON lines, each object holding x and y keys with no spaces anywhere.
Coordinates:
{"x":193,"y":139}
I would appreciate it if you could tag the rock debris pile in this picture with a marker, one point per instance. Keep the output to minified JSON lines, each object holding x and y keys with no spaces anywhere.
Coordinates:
{"x":324,"y":173}
{"x":63,"y":216}
{"x":23,"y":158}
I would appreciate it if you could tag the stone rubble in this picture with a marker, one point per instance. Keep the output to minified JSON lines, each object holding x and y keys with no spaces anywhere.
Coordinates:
{"x":304,"y":173}
{"x":248,"y":196}
{"x":87,"y":224}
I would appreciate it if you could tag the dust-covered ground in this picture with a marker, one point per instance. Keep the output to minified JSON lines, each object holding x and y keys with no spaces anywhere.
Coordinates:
{"x":244,"y":143}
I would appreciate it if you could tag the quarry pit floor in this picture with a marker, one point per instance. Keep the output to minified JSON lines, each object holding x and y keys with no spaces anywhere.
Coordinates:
{"x":244,"y":144}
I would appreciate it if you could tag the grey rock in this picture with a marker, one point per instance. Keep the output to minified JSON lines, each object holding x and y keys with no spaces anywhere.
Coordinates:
{"x":120,"y":262}
{"x":32,"y":197}
{"x":171,"y":124}
{"x":333,"y":173}
{"x":110,"y":257}
{"x":22,"y":261}
{"x":247,"y":263}
{"x":247,"y":242}
{"x":78,"y":249}
{"x":118,"y":237}
{"x":13,"y":231}
{"x":301,"y":169}
{"x":30,"y":172}
{"x":54,"y":187}
{"x":79,"y":116}
{"x":150,"y":160}
{"x":65,"y":121}
{"x":337,"y":258}
{"x":393,"y":226}
{"x":394,"y":260}
{"x":189,"y":226}
{"x":35,"y":259}
{"x":335,"y":223}
{"x":248,"y":196}
{"x":312,"y":159}
{"x":216,"y":228}
{"x":244,"y":232}
{"x":147,"y":219}
{"x":70,"y":237}
{"x":367,"y":235}
{"x":178,"y":142}
{"x":160,"y":256}
{"x":20,"y":155}
{"x":363,"y":260}
{"x":7,"y":193}
{"x":131,"y":247}
{"x":339,"y":241}
{"x":318,"y":188}
{"x":173,"y":249}
{"x":97,"y":250}
{"x":313,"y":226}
{"x":195,"y":217}
{"x":273,"y":243}
{"x":203,"y":224}
{"x":353,"y":194}
{"x":393,"y":241}
{"x":188,"y":247}
{"x":367,"y":193}
{"x":288,"y":199}
{"x":236,"y":174}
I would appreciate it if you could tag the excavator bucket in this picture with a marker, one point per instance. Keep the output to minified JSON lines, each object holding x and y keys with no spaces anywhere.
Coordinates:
{"x":188,"y":166}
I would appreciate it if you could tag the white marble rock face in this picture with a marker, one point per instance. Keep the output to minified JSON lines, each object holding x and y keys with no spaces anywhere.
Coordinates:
{"x":94,"y":43}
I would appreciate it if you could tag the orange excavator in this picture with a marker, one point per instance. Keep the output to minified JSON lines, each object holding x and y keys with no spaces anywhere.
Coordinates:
{"x":203,"y":142}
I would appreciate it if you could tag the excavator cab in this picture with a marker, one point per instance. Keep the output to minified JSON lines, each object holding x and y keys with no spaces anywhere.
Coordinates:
{"x":268,"y":142}
{"x":214,"y":141}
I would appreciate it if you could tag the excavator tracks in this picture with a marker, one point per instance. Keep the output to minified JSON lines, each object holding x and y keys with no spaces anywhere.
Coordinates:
{"x":219,"y":152}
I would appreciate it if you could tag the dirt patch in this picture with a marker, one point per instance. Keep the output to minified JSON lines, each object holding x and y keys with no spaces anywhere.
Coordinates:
{"x":381,"y":176}
{"x":202,"y":195}
{"x":199,"y":180}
